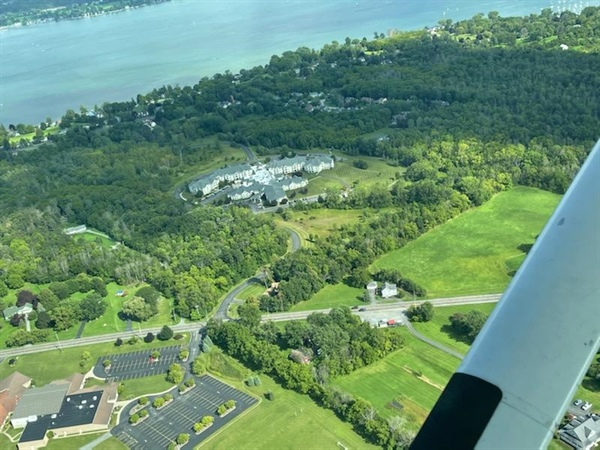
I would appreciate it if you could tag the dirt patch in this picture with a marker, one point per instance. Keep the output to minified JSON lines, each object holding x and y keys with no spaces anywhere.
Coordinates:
{"x":423,"y":378}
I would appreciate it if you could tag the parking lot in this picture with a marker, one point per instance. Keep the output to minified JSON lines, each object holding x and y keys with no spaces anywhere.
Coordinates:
{"x":162,"y":427}
{"x":136,"y":364}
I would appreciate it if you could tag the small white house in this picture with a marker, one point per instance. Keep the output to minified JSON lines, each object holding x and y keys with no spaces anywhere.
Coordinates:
{"x":389,"y":290}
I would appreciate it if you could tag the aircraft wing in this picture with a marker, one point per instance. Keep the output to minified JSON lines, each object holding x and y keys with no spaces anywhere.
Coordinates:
{"x":514,"y":385}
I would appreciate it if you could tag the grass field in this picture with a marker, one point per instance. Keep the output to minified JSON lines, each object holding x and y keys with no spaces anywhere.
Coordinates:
{"x":473,"y":253}
{"x":76,"y":442}
{"x":438,"y":328}
{"x":55,"y":364}
{"x":291,"y":421}
{"x":331,"y":296}
{"x":142,"y":386}
{"x":253,"y":290}
{"x":99,"y":239}
{"x":321,"y":221}
{"x":413,"y":376}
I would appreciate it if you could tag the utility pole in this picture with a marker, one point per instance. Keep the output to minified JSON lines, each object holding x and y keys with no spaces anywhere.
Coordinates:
{"x":58,"y":340}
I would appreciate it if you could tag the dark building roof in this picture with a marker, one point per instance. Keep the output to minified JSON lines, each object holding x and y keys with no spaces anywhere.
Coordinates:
{"x":78,"y":409}
{"x":41,"y":401}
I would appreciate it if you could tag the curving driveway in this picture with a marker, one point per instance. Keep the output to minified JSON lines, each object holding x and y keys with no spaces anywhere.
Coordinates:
{"x":222,"y":311}
{"x":431,"y":342}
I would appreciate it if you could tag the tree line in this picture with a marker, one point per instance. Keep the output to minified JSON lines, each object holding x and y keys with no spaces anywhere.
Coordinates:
{"x":341,"y":344}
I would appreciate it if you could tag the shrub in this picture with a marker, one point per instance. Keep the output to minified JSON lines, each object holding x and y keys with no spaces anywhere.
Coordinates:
{"x":175,"y":373}
{"x":118,"y":342}
{"x":178,"y":336}
{"x":106,"y":363}
{"x":143,"y":401}
{"x":158,"y":402}
{"x":132,"y":340}
{"x":269,"y":395}
{"x":149,"y":337}
{"x":165,"y":333}
{"x":183,"y":438}
{"x":168,"y":397}
{"x":134,"y":418}
{"x":143,"y":413}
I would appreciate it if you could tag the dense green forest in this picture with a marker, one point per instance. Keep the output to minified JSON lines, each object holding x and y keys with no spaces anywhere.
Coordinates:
{"x":32,"y":11}
{"x":463,"y":111}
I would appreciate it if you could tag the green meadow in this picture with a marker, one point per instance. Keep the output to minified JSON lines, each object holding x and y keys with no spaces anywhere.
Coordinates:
{"x":330,"y":297}
{"x":406,"y":383}
{"x":475,"y":252}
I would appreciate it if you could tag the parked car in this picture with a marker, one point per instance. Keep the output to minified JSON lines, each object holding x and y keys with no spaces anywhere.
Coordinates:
{"x":586,"y":406}
{"x":578,"y":402}
{"x":362,"y":309}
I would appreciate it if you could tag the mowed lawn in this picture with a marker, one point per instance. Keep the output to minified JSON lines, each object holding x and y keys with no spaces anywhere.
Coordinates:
{"x":57,"y":364}
{"x":474,"y":253}
{"x":253,"y":290}
{"x":439,"y":329}
{"x":291,"y":421}
{"x":321,"y":222}
{"x":413,"y":376}
{"x":330,"y":297}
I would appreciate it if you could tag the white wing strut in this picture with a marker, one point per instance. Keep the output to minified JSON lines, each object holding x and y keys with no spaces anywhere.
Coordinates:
{"x":514,"y":385}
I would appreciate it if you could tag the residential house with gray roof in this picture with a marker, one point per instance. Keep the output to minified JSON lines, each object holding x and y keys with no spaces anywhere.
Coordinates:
{"x":583,"y":432}
{"x":286,"y":165}
{"x":274,"y":194}
{"x":12,"y":310}
{"x":316,"y":164}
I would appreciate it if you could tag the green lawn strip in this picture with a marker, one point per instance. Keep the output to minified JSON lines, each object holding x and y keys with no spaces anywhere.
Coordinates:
{"x":438,"y":329}
{"x":164,"y":316}
{"x":290,"y":421}
{"x":589,"y":391}
{"x":414,"y":376}
{"x":331,"y":296}
{"x":111,"y":443}
{"x":323,"y":221}
{"x":253,"y":290}
{"x":74,"y":442}
{"x":6,"y":443}
{"x":110,"y":322}
{"x":137,"y":387}
{"x":322,"y":184}
{"x":469,"y":254}
{"x":51,"y":365}
{"x":555,"y":444}
{"x":101,"y":240}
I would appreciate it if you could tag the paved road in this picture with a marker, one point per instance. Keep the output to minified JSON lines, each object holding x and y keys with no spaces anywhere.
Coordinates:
{"x":222,"y":312}
{"x":431,"y":342}
{"x":249,"y":155}
{"x":276,"y":317}
{"x":296,"y":242}
{"x":392,"y":307}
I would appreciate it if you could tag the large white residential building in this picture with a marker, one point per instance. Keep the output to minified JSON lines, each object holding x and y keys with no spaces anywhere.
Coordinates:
{"x":318,"y":163}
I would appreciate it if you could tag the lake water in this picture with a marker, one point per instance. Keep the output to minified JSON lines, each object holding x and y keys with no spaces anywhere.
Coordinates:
{"x":47,"y":68}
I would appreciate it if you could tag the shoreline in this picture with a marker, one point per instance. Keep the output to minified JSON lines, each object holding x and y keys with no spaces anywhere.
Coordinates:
{"x":85,"y":16}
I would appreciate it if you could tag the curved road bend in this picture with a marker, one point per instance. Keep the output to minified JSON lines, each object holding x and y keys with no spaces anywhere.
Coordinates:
{"x":431,"y":342}
{"x":223,"y":310}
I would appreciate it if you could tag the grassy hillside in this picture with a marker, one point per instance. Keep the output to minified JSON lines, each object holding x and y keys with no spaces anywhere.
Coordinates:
{"x":474,"y":253}
{"x":291,"y":421}
{"x":439,"y":328}
{"x":413,"y":377}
